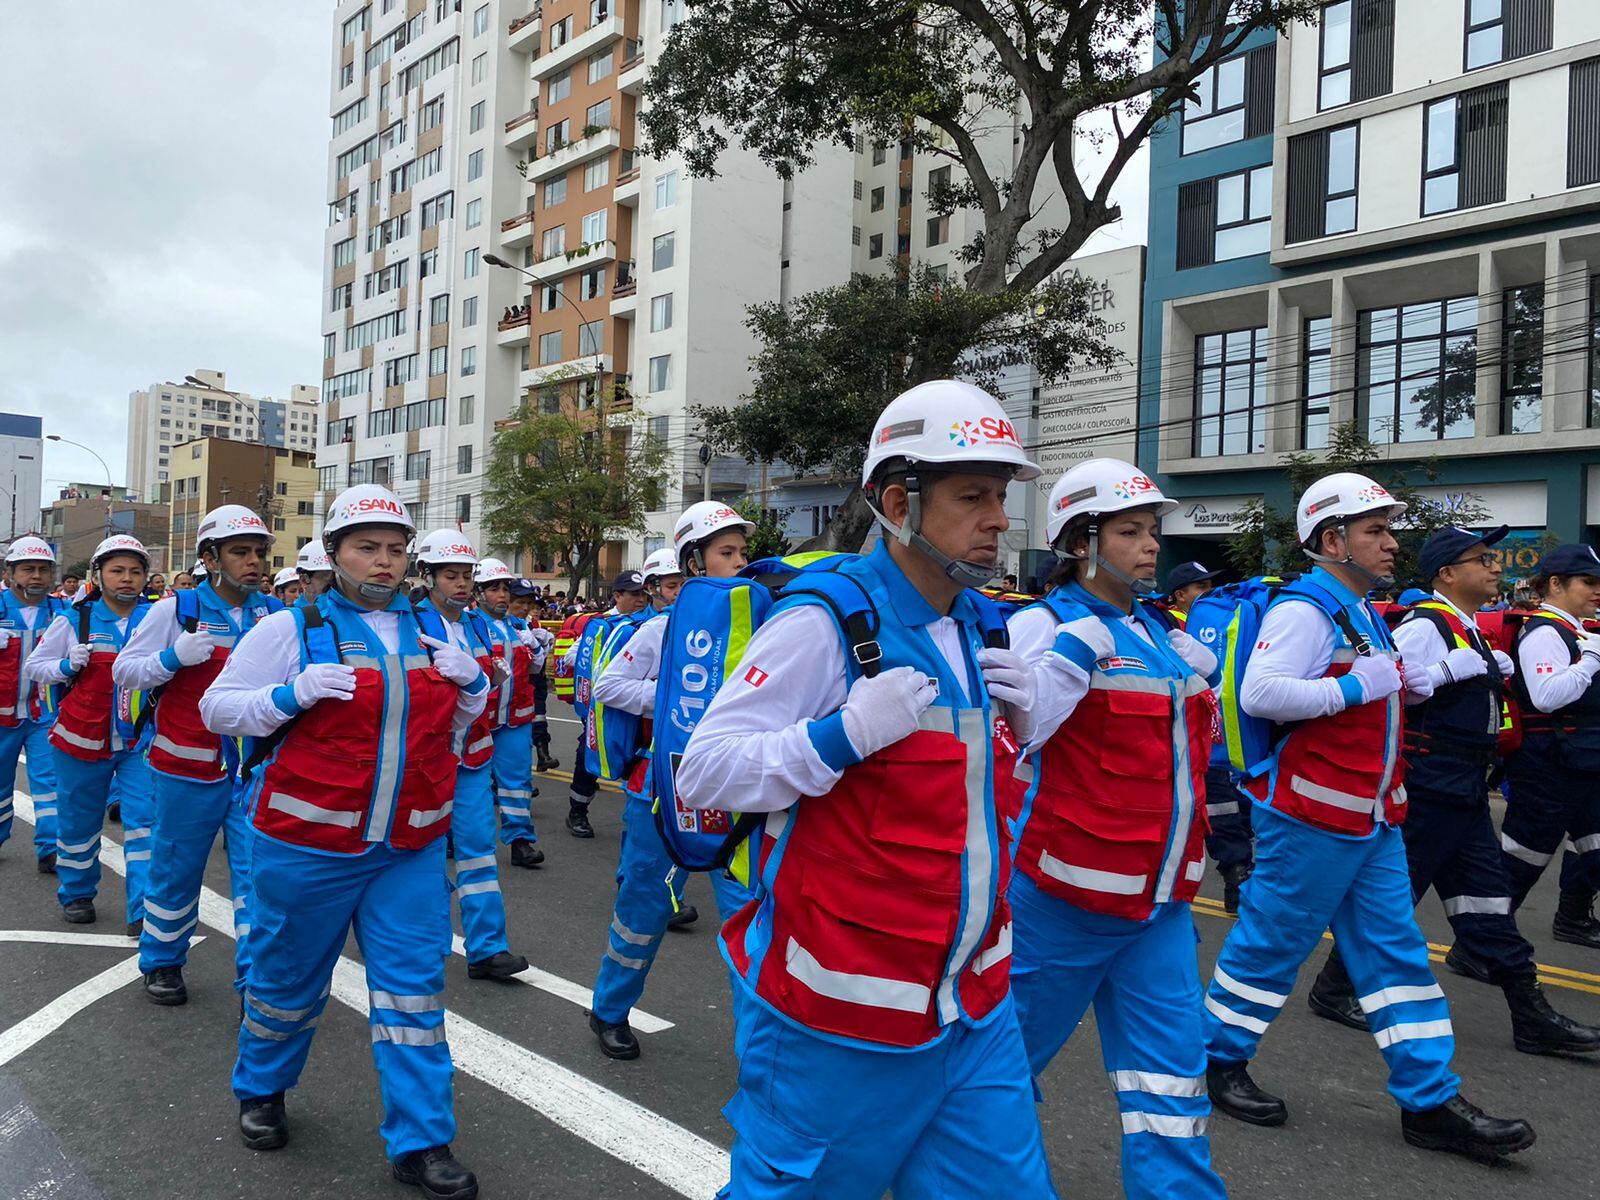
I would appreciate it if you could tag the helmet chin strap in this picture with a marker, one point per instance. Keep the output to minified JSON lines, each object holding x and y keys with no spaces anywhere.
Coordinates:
{"x":375,"y":593}
{"x":1097,"y":563}
{"x":957,"y":570}
{"x":1374,"y":580}
{"x":34,"y":594}
{"x":125,"y":597}
{"x":497,"y":611}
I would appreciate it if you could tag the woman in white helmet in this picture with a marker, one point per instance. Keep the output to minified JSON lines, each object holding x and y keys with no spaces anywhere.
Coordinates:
{"x":1110,"y":839}
{"x":286,"y":586}
{"x":315,"y":569}
{"x":511,"y":713}
{"x":27,"y":708}
{"x":355,"y":710}
{"x":881,"y":922}
{"x":98,"y":738}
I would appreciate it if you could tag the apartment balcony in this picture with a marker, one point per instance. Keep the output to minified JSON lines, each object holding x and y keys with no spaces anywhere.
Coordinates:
{"x":523,"y":129}
{"x":625,"y":291}
{"x":572,"y":368}
{"x":631,"y":72}
{"x":627,"y":187}
{"x":515,"y":330}
{"x":517,"y":230}
{"x":523,"y":33}
{"x":591,"y":143}
{"x":597,"y":37}
{"x":592,"y":254}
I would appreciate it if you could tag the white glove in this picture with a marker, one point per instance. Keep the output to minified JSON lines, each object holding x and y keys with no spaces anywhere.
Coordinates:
{"x":1378,"y":676}
{"x":1507,"y":664}
{"x":324,"y":681}
{"x":193,"y":648}
{"x":1463,"y":663}
{"x":883,"y":709}
{"x":1092,"y":632}
{"x":5,"y":638}
{"x":1589,"y":647}
{"x":78,"y":655}
{"x":544,"y":637}
{"x":1010,"y":680}
{"x":454,"y":663}
{"x":1419,"y":684}
{"x":525,"y":637}
{"x":1192,"y":652}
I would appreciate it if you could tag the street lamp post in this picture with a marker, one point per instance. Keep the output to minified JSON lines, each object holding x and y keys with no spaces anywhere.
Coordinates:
{"x":110,"y":487}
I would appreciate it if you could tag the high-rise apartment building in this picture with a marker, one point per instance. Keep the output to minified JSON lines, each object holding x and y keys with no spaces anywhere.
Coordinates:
{"x":21,"y":471}
{"x":279,"y":484}
{"x":165,"y":414}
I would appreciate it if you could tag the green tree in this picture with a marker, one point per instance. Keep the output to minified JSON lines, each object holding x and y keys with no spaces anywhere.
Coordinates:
{"x":1267,"y":541}
{"x":769,"y":539}
{"x":561,"y":485}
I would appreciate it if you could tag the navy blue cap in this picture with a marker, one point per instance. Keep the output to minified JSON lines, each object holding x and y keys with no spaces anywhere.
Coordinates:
{"x":1184,"y":574}
{"x":628,"y":581}
{"x":1446,"y":546}
{"x":523,"y":587}
{"x":1570,"y":560}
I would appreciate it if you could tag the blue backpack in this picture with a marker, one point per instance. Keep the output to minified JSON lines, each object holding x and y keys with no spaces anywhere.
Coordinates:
{"x":612,"y":739}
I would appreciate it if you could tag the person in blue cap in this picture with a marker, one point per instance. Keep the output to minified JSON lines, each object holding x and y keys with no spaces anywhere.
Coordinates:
{"x":1449,"y":748}
{"x":524,"y":603}
{"x":1186,"y":583}
{"x":1550,"y":781}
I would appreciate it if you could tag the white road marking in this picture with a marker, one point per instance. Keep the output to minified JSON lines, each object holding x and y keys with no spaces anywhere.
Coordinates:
{"x":64,"y":1007}
{"x":565,"y":989}
{"x":629,"y":1132}
{"x":565,"y":720}
{"x":63,"y":938}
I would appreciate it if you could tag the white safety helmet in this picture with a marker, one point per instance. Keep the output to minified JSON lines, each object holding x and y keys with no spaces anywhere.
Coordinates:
{"x":1345,"y":494}
{"x":492,"y":570}
{"x":702,"y":521}
{"x":660,"y":565}
{"x":941,"y":426}
{"x":229,"y":521}
{"x":445,"y":546}
{"x":312,"y":557}
{"x":364,"y":504}
{"x":30,"y":549}
{"x":284,"y":577}
{"x":119,"y":543}
{"x":1097,"y":488}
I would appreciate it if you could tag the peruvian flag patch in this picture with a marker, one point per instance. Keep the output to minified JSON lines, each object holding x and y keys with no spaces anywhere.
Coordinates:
{"x":1544,"y":668}
{"x":755,"y":676}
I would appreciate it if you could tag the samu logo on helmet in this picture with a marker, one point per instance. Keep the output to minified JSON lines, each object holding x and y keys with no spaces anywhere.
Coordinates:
{"x":985,"y":431}
{"x":1373,"y":492}
{"x":1127,"y":489}
{"x":372,"y":504}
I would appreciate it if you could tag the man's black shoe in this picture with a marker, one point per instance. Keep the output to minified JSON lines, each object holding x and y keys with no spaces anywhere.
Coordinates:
{"x":1235,"y":1093}
{"x":497,"y":966}
{"x":684,"y":917}
{"x":616,"y":1041}
{"x":546,"y":763}
{"x":1333,"y":996}
{"x":47,"y":863}
{"x":437,"y":1173}
{"x":1232,"y":876}
{"x":1536,"y":1028}
{"x":114,"y":812}
{"x":1574,"y":921}
{"x":135,"y":929}
{"x":78,"y":912}
{"x":263,"y":1124}
{"x":1467,"y":964}
{"x":578,"y":822}
{"x":1461,"y":1127}
{"x":165,"y":986}
{"x":525,"y":853}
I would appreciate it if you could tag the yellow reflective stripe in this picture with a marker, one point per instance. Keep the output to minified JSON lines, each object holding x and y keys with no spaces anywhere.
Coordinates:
{"x":1434,"y":605}
{"x":738,"y":629}
{"x":739,"y":864}
{"x":1230,"y":700}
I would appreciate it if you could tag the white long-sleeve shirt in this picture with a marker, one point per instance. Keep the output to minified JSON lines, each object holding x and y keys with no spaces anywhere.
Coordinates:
{"x":139,"y":665}
{"x":1553,"y":680}
{"x":1423,"y":649}
{"x":44,"y":664}
{"x":244,"y":701}
{"x":628,"y":683}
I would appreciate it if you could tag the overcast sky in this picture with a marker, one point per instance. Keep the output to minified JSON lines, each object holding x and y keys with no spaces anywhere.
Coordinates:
{"x":162,"y":206}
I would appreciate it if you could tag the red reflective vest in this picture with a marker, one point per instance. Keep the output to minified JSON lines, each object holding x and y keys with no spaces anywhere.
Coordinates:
{"x":19,"y":697}
{"x":478,"y":747}
{"x":522,"y":703}
{"x":83,"y":723}
{"x":182,"y":744}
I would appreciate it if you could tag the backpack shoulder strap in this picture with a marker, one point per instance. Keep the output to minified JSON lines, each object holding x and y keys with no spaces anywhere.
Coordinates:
{"x":851,"y":605}
{"x":187,"y":610}
{"x":1337,"y":613}
{"x":320,"y":646}
{"x":85,"y":615}
{"x":991,"y":621}
{"x":1443,"y":621}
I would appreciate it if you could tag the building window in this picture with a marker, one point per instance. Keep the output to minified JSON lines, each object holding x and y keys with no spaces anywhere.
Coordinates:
{"x":1583,"y":123}
{"x":555,"y":190}
{"x":876,"y":204}
{"x":550,"y":347}
{"x":550,"y":297}
{"x":469,"y":360}
{"x":594,"y":227}
{"x":438,"y":310}
{"x":464,"y":507}
{"x":474,"y":213}
{"x":329,"y":345}
{"x":1357,"y":51}
{"x":1318,"y":383}
{"x":1593,"y":408}
{"x":1522,"y":353}
{"x":1323,"y":170}
{"x":464,"y":410}
{"x":438,"y":360}
{"x":1230,"y":386}
{"x":938,"y":230}
{"x":599,"y":66}
{"x":592,"y":283}
{"x":344,"y":253}
{"x":855,"y":235}
{"x":1498,"y":30}
{"x":327,"y":478}
{"x":597,"y":116}
{"x":1233,"y":101}
{"x":663,"y":250}
{"x":666,"y":190}
{"x":480,"y":21}
{"x":660,"y":373}
{"x":596,"y":174}
{"x":480,"y":68}
{"x":475,"y":117}
{"x":470,"y":264}
{"x":475,"y":165}
{"x":875,"y":246}
{"x":417,"y":464}
{"x":591,"y":338}
{"x":660,"y":313}
{"x":1417,"y":369}
{"x":880,"y":152}
{"x":1244,"y":213}
{"x":463,"y":459}
{"x":1464,"y":150}
{"x":469,"y":311}
{"x":559,"y":87}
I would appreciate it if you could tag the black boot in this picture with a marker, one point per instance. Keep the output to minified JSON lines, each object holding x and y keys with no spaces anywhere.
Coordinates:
{"x":165,"y":986}
{"x":1235,"y":1093}
{"x":450,"y":846}
{"x":47,"y":863}
{"x":1466,"y":963}
{"x":578,"y":821}
{"x":1536,"y":1028}
{"x":684,"y":917}
{"x":1461,"y":1127}
{"x":437,"y":1173}
{"x":78,"y":912}
{"x":135,"y":929}
{"x":545,"y":763}
{"x":1574,"y":921}
{"x":525,"y":853}
{"x":497,"y":966}
{"x":114,"y":812}
{"x":1333,"y":996}
{"x":616,"y":1041}
{"x":1232,"y":876}
{"x":263,"y":1124}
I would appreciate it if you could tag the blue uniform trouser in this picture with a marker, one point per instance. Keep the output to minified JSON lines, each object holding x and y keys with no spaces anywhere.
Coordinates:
{"x":477,"y":883}
{"x":512,"y":766}
{"x":648,"y":893}
{"x":1307,"y":880}
{"x":819,"y":1120}
{"x":1230,"y":841}
{"x":85,"y":790}
{"x":34,"y":736}
{"x":189,"y":814}
{"x":1452,"y":848}
{"x":304,"y":906}
{"x":1144,"y":983}
{"x":1546,"y":805}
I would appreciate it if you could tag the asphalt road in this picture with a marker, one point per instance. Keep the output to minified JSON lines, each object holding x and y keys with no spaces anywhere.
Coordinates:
{"x":103,"y":1094}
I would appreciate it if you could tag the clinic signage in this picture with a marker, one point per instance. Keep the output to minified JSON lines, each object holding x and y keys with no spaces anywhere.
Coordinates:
{"x":1202,"y":515}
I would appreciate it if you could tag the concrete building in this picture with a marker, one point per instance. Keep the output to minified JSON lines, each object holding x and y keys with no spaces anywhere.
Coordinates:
{"x":165,"y":414}
{"x":278,"y":483}
{"x":84,"y":513}
{"x":1390,"y":216}
{"x":21,"y":471}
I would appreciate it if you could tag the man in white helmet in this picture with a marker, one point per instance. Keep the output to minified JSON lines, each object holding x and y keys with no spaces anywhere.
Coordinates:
{"x":101,"y":735}
{"x":315,"y":569}
{"x":27,"y":707}
{"x":286,"y":586}
{"x":176,"y":653}
{"x":1329,"y":852}
{"x":355,"y":710}
{"x":879,"y":1048}
{"x":512,"y":714}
